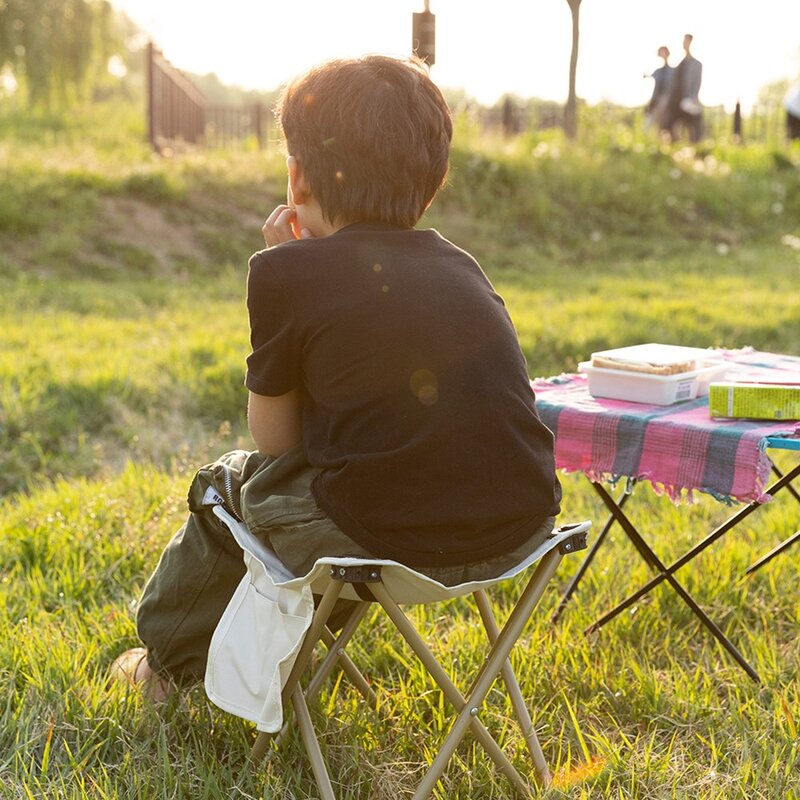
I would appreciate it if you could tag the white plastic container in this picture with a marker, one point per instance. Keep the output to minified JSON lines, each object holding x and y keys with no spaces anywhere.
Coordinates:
{"x":642,"y":387}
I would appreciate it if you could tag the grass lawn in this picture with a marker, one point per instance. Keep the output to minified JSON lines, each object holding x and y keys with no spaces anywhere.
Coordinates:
{"x":121,"y":367}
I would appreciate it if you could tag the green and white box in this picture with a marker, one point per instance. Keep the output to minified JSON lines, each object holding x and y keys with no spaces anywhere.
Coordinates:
{"x":754,"y":400}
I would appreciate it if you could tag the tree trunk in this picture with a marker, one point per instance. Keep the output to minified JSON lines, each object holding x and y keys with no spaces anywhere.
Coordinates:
{"x":571,"y":109}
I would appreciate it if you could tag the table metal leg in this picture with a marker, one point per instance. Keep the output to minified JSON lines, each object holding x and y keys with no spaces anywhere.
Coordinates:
{"x":784,"y":544}
{"x":665,"y":573}
{"x":731,"y":522}
{"x":789,"y":488}
{"x":772,"y":553}
{"x":573,"y":584}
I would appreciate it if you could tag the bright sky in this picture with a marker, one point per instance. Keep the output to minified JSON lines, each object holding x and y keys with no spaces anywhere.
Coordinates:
{"x":488,"y":47}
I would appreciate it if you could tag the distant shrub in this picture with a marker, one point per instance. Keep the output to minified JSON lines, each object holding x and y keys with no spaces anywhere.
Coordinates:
{"x":154,"y":187}
{"x":566,"y":197}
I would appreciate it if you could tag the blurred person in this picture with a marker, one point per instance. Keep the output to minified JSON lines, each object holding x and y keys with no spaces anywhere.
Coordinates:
{"x":656,"y":110}
{"x":791,"y":102}
{"x":684,"y":109}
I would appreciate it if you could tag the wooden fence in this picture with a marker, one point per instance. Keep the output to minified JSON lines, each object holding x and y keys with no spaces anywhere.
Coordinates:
{"x":230,"y":125}
{"x":179,"y":115}
{"x":762,"y":123}
{"x":176,"y":109}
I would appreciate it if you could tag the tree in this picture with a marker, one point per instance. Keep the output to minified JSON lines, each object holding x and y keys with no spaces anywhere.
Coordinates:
{"x":771,"y":94}
{"x":571,"y":109}
{"x":53,"y":47}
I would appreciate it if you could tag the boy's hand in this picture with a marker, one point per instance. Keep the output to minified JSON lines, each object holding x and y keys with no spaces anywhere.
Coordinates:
{"x":281,"y":226}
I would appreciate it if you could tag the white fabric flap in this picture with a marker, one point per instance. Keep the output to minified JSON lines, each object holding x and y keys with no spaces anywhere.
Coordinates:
{"x":258,"y":637}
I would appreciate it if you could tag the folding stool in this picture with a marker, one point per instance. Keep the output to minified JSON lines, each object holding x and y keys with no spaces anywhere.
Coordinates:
{"x":390,"y":584}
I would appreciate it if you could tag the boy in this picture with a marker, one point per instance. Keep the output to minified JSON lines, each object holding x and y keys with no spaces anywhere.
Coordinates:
{"x":389,"y":398}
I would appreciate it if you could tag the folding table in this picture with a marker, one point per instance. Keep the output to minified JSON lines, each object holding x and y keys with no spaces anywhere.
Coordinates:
{"x":679,"y":449}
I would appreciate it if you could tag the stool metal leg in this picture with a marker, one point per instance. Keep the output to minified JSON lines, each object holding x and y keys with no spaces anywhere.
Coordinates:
{"x":488,"y":674}
{"x":454,"y":696}
{"x":312,"y":745}
{"x":337,"y":655}
{"x":468,"y":708}
{"x":514,"y":692}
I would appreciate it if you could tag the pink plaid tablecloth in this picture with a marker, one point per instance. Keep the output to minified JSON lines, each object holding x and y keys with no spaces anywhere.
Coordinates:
{"x":677,"y":448}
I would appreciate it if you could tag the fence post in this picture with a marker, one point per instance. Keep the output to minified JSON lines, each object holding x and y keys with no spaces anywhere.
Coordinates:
{"x":737,"y":123}
{"x":151,"y":132}
{"x":258,"y":124}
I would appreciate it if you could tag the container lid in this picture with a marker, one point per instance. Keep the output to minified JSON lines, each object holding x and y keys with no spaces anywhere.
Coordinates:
{"x":652,"y":358}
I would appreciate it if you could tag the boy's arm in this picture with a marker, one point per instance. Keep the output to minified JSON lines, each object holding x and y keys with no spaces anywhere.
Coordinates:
{"x":274,"y":422}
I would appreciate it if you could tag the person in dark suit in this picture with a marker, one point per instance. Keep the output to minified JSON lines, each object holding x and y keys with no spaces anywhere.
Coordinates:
{"x":684,"y":109}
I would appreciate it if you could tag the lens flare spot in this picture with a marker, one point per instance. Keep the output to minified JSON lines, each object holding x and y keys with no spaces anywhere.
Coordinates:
{"x":376,"y":267}
{"x":425,"y":386}
{"x":580,"y":773}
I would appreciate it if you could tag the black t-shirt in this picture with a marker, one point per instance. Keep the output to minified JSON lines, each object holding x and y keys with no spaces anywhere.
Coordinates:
{"x":416,"y":401}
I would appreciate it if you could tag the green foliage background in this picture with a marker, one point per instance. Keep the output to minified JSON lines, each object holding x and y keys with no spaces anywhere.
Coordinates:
{"x":57,"y":49}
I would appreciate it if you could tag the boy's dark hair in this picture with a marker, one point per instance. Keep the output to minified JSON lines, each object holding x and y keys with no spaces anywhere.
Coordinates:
{"x":372,"y":138}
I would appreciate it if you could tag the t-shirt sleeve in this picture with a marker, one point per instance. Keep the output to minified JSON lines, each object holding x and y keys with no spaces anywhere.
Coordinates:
{"x":273,"y":366}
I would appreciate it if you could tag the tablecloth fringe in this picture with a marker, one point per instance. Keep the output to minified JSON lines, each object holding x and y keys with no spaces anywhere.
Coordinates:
{"x":683,"y":494}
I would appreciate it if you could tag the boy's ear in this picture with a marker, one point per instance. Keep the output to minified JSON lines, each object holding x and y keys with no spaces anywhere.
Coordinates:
{"x":297,"y":182}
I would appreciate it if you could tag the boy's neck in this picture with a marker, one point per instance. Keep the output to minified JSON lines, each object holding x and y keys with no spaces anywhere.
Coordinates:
{"x":327,"y":228}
